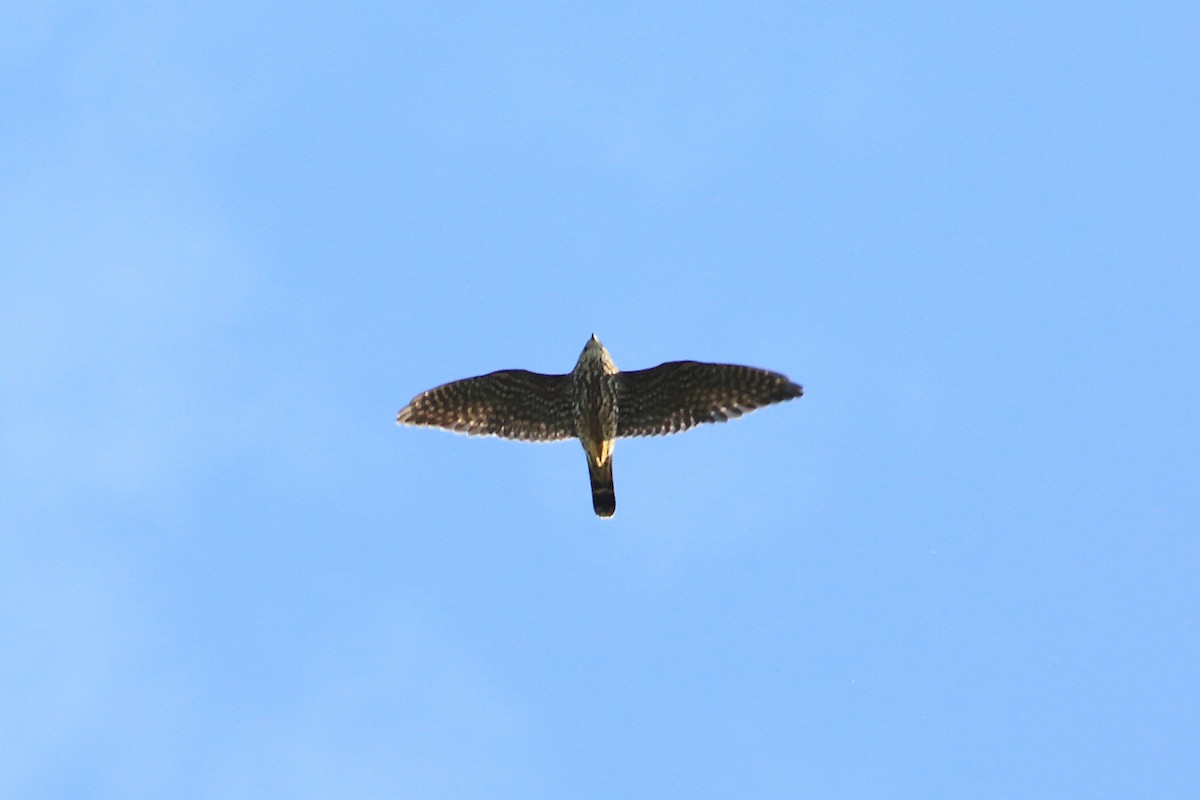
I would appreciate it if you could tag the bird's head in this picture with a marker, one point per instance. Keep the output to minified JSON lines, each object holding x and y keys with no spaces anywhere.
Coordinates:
{"x":594,"y":352}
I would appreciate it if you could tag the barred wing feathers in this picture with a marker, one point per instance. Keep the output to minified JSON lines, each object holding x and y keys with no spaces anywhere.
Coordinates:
{"x":511,"y":403}
{"x":678,"y":395}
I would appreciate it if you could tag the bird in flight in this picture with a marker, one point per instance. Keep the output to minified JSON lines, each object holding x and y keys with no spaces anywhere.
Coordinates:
{"x":597,"y":403}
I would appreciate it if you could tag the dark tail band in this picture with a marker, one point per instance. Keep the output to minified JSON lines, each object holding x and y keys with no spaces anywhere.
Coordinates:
{"x":604,"y":497}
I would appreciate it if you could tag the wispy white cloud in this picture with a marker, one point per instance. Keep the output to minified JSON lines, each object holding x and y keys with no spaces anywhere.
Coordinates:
{"x":107,"y":323}
{"x":118,"y":282}
{"x":410,"y":712}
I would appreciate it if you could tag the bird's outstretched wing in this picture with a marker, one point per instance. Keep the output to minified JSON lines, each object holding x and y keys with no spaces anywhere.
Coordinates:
{"x":678,"y":395}
{"x":512,"y":403}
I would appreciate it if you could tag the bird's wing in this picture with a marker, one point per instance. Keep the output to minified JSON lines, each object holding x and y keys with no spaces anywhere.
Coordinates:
{"x":678,"y":395}
{"x":512,"y":403}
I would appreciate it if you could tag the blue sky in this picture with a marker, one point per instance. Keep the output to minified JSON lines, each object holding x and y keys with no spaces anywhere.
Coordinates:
{"x":237,"y":238}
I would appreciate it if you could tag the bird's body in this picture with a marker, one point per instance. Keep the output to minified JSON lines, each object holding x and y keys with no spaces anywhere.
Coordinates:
{"x":597,"y":403}
{"x":594,"y":385}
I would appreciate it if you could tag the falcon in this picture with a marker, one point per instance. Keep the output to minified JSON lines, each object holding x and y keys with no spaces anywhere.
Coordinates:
{"x":597,"y":403}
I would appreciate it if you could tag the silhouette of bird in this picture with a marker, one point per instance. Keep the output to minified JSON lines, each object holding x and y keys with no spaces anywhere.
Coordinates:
{"x":597,"y":403}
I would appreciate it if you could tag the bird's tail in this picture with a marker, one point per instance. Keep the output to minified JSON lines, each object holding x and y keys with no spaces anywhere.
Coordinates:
{"x":604,"y":497}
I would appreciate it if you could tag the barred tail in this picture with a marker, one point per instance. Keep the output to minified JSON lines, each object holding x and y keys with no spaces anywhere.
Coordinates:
{"x":604,"y":497}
